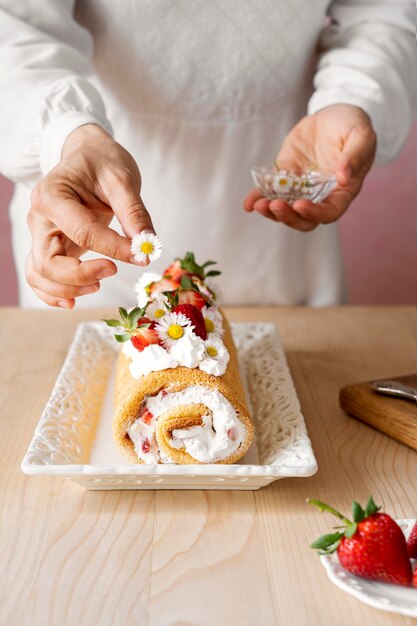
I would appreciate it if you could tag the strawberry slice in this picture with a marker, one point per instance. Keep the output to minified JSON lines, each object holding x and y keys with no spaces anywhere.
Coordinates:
{"x":195,"y":316}
{"x":165,"y":284}
{"x":231,"y":433}
{"x":190,"y":296}
{"x":145,"y":445}
{"x":412,"y":543}
{"x":143,"y":338}
{"x":175,"y":271}
{"x":146,"y":416}
{"x":143,"y":320}
{"x":415,"y":577}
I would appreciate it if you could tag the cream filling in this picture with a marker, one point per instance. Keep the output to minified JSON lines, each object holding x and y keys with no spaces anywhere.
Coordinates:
{"x":217,"y":438}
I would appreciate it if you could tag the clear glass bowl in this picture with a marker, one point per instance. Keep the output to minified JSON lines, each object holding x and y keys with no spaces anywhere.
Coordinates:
{"x":291,"y":184}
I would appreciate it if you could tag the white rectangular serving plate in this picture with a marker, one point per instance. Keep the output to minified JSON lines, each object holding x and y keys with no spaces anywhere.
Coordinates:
{"x":73,"y":438}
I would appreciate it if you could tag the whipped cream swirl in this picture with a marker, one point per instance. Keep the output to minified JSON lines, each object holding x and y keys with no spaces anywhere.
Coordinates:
{"x":220,"y":434}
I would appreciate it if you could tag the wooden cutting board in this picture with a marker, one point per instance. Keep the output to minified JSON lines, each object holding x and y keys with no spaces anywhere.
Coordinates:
{"x":395,"y":417}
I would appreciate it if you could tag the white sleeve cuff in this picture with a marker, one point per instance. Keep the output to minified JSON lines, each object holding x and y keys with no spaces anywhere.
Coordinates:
{"x":56,"y":133}
{"x":71,"y":103}
{"x":389,"y":140}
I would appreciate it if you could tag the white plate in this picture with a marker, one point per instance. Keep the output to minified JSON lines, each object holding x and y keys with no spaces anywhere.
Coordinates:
{"x":73,"y":438}
{"x":394,"y":598}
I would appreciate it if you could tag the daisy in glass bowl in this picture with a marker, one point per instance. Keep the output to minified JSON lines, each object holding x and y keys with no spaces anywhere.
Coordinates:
{"x":282,"y":183}
{"x":146,"y":247}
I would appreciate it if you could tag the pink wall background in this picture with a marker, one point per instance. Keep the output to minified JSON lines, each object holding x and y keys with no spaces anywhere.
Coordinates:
{"x":379,"y":236}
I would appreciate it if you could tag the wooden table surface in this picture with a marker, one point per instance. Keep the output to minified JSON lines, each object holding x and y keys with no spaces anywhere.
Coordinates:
{"x":71,"y":557}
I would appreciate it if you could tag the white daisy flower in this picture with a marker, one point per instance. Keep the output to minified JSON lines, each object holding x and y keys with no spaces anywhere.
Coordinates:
{"x":157,"y":309}
{"x":296,"y":183}
{"x":146,"y":246}
{"x":172,"y":327}
{"x":213,"y":320}
{"x":217,"y":357}
{"x":140,"y":287}
{"x":282,"y":183}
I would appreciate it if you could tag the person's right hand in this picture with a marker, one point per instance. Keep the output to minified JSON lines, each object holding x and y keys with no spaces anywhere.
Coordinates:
{"x":71,"y":209}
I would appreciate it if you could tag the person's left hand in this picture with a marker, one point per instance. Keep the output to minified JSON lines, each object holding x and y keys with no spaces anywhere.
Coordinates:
{"x":338,"y":139}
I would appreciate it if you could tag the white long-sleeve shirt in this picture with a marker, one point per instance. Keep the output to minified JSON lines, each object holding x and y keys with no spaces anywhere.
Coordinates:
{"x":199,"y":92}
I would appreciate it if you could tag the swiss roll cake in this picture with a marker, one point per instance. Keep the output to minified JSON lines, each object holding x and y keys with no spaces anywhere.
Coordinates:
{"x":179,"y":397}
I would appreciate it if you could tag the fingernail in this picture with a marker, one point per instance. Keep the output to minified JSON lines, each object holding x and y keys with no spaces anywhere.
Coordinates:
{"x":64,"y":304}
{"x":83,"y":291}
{"x":133,"y":260}
{"x":106,"y":273}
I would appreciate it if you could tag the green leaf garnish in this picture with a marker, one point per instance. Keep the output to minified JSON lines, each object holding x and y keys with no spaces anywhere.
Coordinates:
{"x":189,"y":264}
{"x":187,"y":283}
{"x":172,"y":297}
{"x":123,"y":313}
{"x":325,"y":541}
{"x":135,"y":315}
{"x":351,"y":530}
{"x":371,"y":507}
{"x":112,"y":323}
{"x":322,"y":506}
{"x":122,"y":338}
{"x":329,"y":543}
{"x":128,"y":322}
{"x":358,"y":513}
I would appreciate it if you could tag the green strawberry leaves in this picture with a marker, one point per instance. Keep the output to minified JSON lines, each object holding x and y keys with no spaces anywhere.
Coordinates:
{"x":187,"y":283}
{"x":112,"y":323}
{"x":122,"y":338}
{"x":351,"y":530}
{"x":189,"y":264}
{"x":322,"y":506}
{"x":172,"y":298}
{"x":128,"y":322}
{"x":123,"y":314}
{"x":358,"y":513}
{"x":329,"y":543}
{"x":326,"y":544}
{"x":371,"y":507}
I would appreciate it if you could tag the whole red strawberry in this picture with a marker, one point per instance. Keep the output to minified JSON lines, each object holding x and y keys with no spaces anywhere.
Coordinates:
{"x":372,"y":546}
{"x":415,"y":577}
{"x":195,"y":316}
{"x":412,"y":543}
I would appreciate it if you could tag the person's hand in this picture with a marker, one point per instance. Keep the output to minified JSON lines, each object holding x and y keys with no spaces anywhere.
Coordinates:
{"x":71,"y":209}
{"x":338,"y":139}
